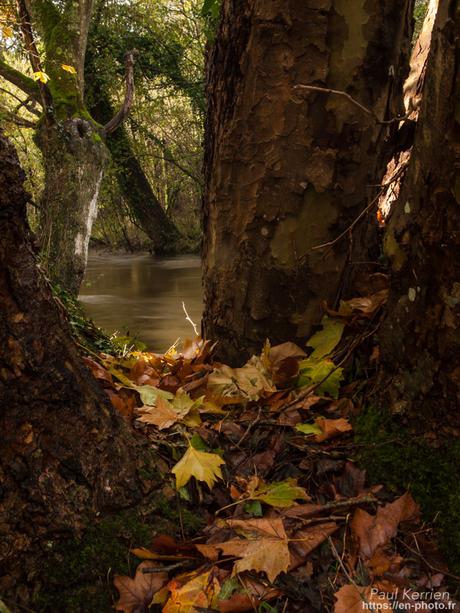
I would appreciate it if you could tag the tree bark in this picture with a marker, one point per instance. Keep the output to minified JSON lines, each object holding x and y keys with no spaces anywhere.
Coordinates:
{"x":288,"y":169}
{"x":74,"y":157}
{"x":421,"y":337}
{"x":64,"y":453}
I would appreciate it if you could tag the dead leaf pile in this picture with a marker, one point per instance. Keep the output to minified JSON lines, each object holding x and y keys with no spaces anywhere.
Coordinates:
{"x":261,"y":454}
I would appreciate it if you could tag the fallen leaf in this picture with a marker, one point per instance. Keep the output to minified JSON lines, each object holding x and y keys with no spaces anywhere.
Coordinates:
{"x":194,"y":595}
{"x":374,"y":531}
{"x":136,"y":594}
{"x":354,"y":599}
{"x":202,"y":465}
{"x":324,"y":429}
{"x":162,"y":415}
{"x":327,"y":339}
{"x":280,"y":494}
{"x":322,"y":373}
{"x":304,"y":541}
{"x":367,"y":305}
{"x":264,"y":548}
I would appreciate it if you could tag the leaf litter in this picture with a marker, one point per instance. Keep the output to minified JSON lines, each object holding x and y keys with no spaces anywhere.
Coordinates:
{"x":261,"y":452}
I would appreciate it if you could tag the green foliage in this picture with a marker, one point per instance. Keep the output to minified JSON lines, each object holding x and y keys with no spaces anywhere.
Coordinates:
{"x":397,"y":457}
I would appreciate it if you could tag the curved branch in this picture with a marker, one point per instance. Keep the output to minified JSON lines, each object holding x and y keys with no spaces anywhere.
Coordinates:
{"x":118,"y":119}
{"x":23,"y":82}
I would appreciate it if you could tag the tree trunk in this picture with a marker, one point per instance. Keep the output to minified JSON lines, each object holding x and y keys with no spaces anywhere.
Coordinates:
{"x":143,"y":204}
{"x":421,"y":337}
{"x":64,"y":453}
{"x":74,"y":157}
{"x":288,"y":168}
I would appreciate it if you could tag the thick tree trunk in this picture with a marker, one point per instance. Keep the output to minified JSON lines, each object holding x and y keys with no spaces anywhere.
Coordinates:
{"x":74,"y":158}
{"x":421,"y":336}
{"x":289,"y":168}
{"x":64,"y":453}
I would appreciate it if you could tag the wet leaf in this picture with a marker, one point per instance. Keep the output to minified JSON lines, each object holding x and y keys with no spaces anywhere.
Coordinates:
{"x":136,"y":594}
{"x":199,"y":464}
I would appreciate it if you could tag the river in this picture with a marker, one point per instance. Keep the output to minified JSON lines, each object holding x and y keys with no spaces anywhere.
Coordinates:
{"x":142,"y":295}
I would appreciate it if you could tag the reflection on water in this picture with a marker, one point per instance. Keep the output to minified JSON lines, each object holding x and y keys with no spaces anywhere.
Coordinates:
{"x":142,"y":296}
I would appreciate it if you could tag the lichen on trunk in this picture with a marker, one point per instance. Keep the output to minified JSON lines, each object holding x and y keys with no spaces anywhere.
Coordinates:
{"x":74,"y":158}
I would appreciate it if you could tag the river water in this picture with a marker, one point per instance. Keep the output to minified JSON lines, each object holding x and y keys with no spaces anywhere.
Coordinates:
{"x":142,"y":295}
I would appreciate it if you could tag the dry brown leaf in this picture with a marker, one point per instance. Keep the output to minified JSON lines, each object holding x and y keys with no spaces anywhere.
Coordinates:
{"x":264,"y":548}
{"x":331,"y":428}
{"x":367,"y":305}
{"x":353,"y":599}
{"x":303,"y":542}
{"x":162,"y":415}
{"x":374,"y":531}
{"x":136,"y":594}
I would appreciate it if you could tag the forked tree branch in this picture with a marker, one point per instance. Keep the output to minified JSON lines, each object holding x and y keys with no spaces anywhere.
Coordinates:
{"x":118,"y":119}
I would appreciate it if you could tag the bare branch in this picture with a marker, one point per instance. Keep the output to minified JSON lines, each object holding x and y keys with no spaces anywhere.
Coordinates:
{"x":118,"y":119}
{"x":364,"y":109}
{"x":16,"y":119}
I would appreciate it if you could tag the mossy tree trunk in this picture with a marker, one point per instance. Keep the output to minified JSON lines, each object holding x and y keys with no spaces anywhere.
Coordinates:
{"x":421,"y":336}
{"x":65,"y":455}
{"x":71,"y":141}
{"x":287,"y":168}
{"x":133,"y":183}
{"x":73,"y":150}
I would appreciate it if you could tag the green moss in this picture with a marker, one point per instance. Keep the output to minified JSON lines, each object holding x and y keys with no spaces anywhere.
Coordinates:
{"x":76,"y":570}
{"x":399,"y":459}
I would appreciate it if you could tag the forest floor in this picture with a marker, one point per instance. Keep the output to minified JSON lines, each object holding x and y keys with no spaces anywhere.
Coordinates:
{"x":274,"y":515}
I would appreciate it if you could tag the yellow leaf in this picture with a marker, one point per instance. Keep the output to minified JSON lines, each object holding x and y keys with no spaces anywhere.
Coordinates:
{"x":193,"y":596}
{"x":7,"y":31}
{"x":41,"y":76}
{"x":68,"y":68}
{"x":199,"y":464}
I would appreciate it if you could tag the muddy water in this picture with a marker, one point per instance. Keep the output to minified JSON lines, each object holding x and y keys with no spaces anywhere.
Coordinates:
{"x":142,"y":296}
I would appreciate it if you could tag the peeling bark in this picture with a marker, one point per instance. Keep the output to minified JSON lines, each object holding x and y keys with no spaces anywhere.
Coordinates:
{"x":64,"y":453}
{"x":421,"y":336}
{"x":285,"y":172}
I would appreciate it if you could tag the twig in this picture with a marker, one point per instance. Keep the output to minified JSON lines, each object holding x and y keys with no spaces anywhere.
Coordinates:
{"x":188,"y":318}
{"x":430,"y":566}
{"x":347,"y":574}
{"x":366,"y":210}
{"x":364,"y":109}
{"x":336,"y":504}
